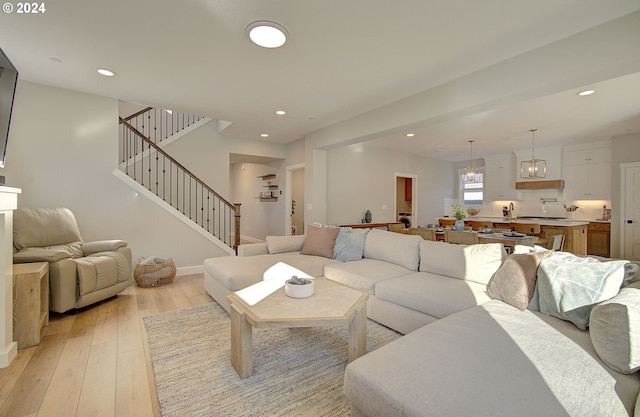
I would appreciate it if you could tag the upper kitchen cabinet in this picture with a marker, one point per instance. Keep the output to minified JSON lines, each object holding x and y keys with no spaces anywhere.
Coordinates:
{"x":587,"y":172}
{"x":500,"y":177}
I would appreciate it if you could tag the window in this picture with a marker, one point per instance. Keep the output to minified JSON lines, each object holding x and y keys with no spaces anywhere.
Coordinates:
{"x":471,"y":193}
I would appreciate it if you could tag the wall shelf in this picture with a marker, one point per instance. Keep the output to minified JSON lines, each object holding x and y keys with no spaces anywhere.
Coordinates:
{"x":271,"y":187}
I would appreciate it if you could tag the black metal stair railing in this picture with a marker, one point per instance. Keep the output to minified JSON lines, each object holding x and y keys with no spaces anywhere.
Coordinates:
{"x":149,"y":165}
{"x":160,"y":124}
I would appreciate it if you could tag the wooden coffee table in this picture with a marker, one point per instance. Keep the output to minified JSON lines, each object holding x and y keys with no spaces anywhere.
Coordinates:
{"x":332,"y":304}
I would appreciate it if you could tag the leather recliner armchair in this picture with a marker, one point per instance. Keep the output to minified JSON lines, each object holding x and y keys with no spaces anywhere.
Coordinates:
{"x":80,"y":273}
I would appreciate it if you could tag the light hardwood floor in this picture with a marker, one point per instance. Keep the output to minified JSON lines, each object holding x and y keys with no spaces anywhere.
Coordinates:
{"x":97,"y":362}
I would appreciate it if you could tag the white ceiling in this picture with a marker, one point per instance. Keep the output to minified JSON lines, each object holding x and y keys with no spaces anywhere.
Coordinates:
{"x":342,"y":59}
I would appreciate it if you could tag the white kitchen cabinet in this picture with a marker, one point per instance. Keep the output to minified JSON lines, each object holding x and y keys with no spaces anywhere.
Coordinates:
{"x":587,"y":174}
{"x":500,"y":178}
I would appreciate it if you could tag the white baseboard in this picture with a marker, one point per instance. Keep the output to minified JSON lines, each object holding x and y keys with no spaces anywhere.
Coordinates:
{"x":189,"y":270}
{"x":9,"y":353}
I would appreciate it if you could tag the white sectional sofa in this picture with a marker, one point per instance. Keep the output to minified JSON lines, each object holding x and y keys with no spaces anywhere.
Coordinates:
{"x":464,"y":354}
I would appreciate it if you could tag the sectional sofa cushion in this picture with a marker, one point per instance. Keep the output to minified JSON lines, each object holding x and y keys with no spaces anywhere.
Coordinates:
{"x":490,"y":360}
{"x":569,"y":286}
{"x":432,"y":294}
{"x":364,"y":274}
{"x":614,"y":326}
{"x":396,"y":248}
{"x":515,"y":281}
{"x":475,"y":263}
{"x":281,"y":244}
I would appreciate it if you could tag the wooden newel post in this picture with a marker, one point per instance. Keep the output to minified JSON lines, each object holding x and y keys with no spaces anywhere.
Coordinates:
{"x":236,"y":234}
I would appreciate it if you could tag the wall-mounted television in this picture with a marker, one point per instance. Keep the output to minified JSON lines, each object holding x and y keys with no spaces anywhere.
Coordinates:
{"x":8,"y":80}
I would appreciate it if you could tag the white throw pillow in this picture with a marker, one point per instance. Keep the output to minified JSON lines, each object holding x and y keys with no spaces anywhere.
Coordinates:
{"x":570,"y":286}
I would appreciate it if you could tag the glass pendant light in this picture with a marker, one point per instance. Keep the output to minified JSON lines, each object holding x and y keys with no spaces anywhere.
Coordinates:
{"x":469,"y":173}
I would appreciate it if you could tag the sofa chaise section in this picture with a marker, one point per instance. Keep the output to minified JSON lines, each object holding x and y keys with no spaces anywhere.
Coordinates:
{"x":491,"y":360}
{"x":227,"y":274}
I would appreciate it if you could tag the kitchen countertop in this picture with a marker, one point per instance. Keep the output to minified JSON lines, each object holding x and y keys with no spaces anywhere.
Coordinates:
{"x":540,"y":221}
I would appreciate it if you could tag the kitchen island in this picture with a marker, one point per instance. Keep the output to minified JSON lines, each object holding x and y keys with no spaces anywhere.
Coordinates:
{"x":574,"y":231}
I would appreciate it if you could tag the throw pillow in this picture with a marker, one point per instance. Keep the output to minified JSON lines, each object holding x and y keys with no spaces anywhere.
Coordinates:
{"x":348,"y":246}
{"x":515,"y":281}
{"x":320,"y":241}
{"x":615,"y":330}
{"x":631,"y":273}
{"x":570,"y":286}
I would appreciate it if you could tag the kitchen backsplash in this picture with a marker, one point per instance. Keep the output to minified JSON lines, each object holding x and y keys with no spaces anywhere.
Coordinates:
{"x":531,"y":205}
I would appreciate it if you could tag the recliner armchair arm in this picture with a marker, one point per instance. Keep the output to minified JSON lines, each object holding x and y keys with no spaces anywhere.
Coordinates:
{"x":89,"y":248}
{"x":39,"y":255}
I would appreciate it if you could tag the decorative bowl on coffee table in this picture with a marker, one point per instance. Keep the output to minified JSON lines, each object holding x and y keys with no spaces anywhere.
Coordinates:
{"x":299,"y":287}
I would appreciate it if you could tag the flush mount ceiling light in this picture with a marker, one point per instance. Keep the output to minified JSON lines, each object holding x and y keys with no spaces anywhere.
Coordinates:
{"x":267,"y":34}
{"x":469,"y":173}
{"x":586,"y":92}
{"x":410,"y":135}
{"x":533,"y":168}
{"x":106,"y":72}
{"x":264,"y":135}
{"x":281,"y":112}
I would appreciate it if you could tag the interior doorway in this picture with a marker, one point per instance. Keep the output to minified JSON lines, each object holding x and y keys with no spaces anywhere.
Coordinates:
{"x":406,"y":199}
{"x":294,"y":200}
{"x":630,"y":211}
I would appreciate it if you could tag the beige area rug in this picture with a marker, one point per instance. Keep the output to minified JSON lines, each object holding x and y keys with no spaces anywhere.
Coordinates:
{"x":297,"y":372}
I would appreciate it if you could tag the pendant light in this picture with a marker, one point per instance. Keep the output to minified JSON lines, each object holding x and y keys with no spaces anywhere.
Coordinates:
{"x":470,"y":174}
{"x":533,"y":168}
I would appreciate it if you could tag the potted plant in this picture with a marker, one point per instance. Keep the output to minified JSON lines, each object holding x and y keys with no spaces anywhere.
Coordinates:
{"x":459,"y":214}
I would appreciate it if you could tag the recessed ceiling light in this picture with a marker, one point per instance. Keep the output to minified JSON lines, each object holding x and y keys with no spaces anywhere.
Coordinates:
{"x":264,"y":135}
{"x":586,"y":92}
{"x":281,"y":112}
{"x":410,"y":135}
{"x":106,"y":72}
{"x":267,"y":34}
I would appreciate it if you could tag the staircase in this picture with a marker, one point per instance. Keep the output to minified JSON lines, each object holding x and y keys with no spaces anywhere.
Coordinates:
{"x":142,"y":136}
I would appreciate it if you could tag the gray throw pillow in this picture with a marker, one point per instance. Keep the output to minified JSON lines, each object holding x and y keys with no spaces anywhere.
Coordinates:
{"x":348,"y":246}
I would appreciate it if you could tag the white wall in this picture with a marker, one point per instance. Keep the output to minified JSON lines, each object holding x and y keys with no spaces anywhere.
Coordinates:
{"x":206,"y":154}
{"x":63,"y":149}
{"x":361,"y":178}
